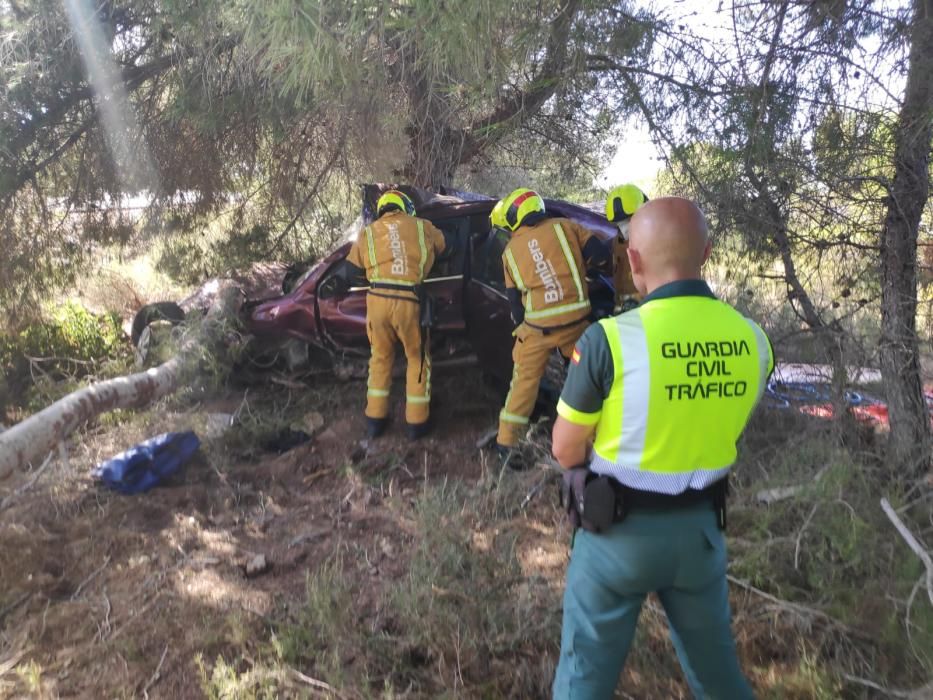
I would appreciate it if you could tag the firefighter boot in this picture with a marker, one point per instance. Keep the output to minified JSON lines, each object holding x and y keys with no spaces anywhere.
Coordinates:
{"x":375,"y":427}
{"x":416,"y":431}
{"x":511,"y":457}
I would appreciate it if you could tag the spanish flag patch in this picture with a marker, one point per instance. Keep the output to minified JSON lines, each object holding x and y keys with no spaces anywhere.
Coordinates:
{"x":575,"y":357}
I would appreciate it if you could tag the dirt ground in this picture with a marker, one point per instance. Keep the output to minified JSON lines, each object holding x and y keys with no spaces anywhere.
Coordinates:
{"x":105,"y":595}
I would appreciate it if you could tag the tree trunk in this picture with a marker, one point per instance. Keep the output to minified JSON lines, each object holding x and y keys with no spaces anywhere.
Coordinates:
{"x":29,"y":441}
{"x":829,"y":334}
{"x":438,"y":144}
{"x":435,"y":147}
{"x":900,"y":364}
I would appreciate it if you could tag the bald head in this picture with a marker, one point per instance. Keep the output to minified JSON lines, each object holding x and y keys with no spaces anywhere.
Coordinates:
{"x":668,"y":241}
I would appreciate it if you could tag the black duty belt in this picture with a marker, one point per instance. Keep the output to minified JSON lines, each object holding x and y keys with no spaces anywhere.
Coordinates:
{"x":596,"y":501}
{"x":638,"y":499}
{"x":547,"y":330}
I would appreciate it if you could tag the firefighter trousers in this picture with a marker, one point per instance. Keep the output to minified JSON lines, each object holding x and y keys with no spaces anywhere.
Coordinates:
{"x":530,"y":356}
{"x":388,"y":322}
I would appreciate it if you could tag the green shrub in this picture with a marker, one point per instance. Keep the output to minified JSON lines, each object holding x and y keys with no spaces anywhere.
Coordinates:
{"x":71,"y":342}
{"x":224,"y":681}
{"x":324,"y":632}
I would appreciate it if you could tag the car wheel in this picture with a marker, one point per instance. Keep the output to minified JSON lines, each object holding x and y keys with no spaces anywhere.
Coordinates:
{"x":150,"y":313}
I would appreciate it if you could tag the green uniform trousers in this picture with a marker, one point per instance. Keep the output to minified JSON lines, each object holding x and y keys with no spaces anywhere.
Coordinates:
{"x":681,"y":555}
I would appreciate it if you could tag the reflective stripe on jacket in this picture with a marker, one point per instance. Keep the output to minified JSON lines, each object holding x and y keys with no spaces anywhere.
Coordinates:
{"x":687,"y":373}
{"x":545,"y":263}
{"x":397,"y":249}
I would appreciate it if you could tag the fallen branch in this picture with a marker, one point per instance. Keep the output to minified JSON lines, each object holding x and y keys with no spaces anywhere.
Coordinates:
{"x":775,"y":495}
{"x":487,"y":438}
{"x":800,"y":536}
{"x":15,"y":604}
{"x":314,"y":682}
{"x":797,"y":608}
{"x":90,"y":578}
{"x":923,"y":693}
{"x":536,"y":489}
{"x":912,"y":543}
{"x":9,"y":664}
{"x":154,"y":678}
{"x":42,"y":431}
{"x":782,"y":493}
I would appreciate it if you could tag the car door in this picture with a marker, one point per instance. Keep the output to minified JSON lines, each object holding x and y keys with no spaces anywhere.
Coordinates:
{"x":445,"y":281}
{"x":486,"y":307}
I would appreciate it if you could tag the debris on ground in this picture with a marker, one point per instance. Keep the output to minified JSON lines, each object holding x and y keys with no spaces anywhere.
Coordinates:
{"x":257,"y":566}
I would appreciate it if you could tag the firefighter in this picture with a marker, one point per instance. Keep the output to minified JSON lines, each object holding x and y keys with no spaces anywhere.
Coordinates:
{"x":396,"y":253}
{"x":622,"y":203}
{"x":648,"y":421}
{"x":546,"y":285}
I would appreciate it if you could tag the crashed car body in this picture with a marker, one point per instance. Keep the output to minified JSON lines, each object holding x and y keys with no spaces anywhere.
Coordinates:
{"x":467,"y":283}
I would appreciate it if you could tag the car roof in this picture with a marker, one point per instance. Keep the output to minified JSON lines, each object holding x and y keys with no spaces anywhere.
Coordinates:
{"x":450,"y":202}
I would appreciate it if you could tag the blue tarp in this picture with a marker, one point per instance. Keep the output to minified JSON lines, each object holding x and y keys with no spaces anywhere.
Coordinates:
{"x":148,"y":463}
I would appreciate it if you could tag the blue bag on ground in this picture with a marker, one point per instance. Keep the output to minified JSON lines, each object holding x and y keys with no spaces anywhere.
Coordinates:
{"x":148,"y":463}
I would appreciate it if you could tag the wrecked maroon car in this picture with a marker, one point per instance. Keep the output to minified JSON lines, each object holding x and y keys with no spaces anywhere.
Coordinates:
{"x":473,"y":319}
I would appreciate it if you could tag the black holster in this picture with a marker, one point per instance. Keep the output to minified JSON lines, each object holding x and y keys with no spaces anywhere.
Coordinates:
{"x":589,"y":499}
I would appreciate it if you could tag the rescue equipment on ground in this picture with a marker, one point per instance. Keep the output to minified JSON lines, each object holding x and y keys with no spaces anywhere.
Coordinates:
{"x":149,"y":463}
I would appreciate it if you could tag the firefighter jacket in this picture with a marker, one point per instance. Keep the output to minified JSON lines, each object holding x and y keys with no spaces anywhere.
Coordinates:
{"x":544,"y":261}
{"x":397,"y":249}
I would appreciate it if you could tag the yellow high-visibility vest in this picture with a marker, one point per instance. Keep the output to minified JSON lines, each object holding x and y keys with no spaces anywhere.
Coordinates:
{"x":687,"y":373}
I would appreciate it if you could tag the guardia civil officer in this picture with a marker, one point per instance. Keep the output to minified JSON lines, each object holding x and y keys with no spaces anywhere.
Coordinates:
{"x":655,"y":401}
{"x":396,"y":253}
{"x":545,"y":278}
{"x":623,"y":201}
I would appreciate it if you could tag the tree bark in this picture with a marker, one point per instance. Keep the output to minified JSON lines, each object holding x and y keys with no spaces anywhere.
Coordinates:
{"x":910,"y":437}
{"x":437,"y":146}
{"x":29,"y":441}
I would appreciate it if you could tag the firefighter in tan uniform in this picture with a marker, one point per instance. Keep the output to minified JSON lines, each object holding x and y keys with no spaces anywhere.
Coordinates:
{"x":622,"y":203}
{"x":396,"y":253}
{"x":545,"y":278}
